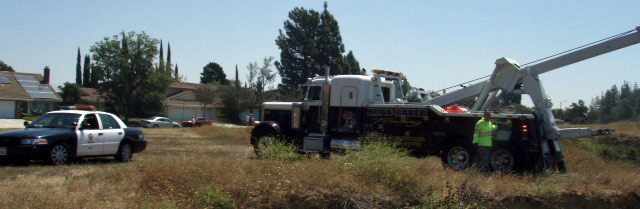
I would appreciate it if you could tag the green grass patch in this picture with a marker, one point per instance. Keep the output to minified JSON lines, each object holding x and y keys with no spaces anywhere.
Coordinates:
{"x":615,"y":147}
{"x":211,"y":197}
{"x":281,"y":150}
{"x":382,"y":161}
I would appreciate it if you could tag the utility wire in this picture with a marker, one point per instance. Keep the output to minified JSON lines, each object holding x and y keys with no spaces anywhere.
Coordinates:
{"x":548,"y":57}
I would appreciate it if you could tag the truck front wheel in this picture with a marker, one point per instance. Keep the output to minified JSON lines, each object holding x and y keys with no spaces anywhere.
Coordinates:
{"x":260,"y":140}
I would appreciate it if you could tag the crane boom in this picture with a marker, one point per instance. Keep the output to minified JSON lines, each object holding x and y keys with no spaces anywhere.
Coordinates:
{"x":507,"y":79}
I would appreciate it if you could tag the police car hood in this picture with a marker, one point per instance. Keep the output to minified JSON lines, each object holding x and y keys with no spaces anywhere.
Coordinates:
{"x":37,"y":132}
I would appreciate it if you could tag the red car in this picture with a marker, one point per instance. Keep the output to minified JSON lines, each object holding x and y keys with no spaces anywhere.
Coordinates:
{"x":199,"y":122}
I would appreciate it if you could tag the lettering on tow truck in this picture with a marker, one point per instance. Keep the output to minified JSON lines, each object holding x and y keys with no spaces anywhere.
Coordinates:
{"x":408,"y":123}
{"x":389,"y":112}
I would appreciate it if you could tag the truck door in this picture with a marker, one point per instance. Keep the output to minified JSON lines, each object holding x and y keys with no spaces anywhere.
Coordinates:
{"x":348,"y":108}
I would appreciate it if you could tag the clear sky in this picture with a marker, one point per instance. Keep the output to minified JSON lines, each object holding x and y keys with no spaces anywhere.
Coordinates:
{"x":435,"y":43}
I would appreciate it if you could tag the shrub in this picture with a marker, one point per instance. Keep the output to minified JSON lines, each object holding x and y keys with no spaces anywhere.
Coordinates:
{"x":211,"y":197}
{"x":281,"y":150}
{"x":383,"y":162}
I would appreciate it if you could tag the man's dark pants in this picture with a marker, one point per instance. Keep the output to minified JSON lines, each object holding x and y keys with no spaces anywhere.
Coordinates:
{"x":484,"y":152}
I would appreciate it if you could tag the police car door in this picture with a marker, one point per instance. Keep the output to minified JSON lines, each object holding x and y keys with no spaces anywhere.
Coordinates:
{"x":112,"y":134}
{"x":89,"y":134}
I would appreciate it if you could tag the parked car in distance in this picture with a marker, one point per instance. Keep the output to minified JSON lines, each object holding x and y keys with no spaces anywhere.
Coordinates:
{"x":158,"y":122}
{"x":200,"y":121}
{"x":58,"y":137}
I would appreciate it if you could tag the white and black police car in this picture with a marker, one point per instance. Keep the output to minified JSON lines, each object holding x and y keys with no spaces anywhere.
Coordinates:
{"x":58,"y":137}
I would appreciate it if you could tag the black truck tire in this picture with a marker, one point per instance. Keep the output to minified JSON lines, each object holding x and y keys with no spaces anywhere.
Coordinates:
{"x":458,"y":155}
{"x":503,"y":160}
{"x":260,"y":139}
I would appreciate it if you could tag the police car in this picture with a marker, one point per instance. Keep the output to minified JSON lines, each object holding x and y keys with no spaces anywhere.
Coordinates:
{"x":58,"y":137}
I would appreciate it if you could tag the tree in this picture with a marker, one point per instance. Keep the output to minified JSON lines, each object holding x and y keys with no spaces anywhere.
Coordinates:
{"x":86,"y":75}
{"x":506,"y":99}
{"x":354,"y":65}
{"x":237,"y":81}
{"x":161,"y":64}
{"x":78,"y":70}
{"x":169,"y":65}
{"x":233,"y":103}
{"x":70,"y":93}
{"x":310,"y":41}
{"x":258,"y":79}
{"x":205,"y":95}
{"x":213,"y":72}
{"x":127,"y":78}
{"x":576,"y":113}
{"x":5,"y":67}
{"x":95,"y":77}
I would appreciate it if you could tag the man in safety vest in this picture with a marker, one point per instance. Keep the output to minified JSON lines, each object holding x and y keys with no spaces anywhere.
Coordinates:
{"x":482,"y":138}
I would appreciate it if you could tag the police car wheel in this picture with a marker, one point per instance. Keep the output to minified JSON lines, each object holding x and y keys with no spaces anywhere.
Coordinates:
{"x":59,"y":155}
{"x":458,"y":157}
{"x":125,"y":153}
{"x":155,"y":126}
{"x":176,"y":126}
{"x":502,"y":160}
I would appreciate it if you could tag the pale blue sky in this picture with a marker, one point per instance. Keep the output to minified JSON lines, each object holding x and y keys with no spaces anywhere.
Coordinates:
{"x":435,"y":43}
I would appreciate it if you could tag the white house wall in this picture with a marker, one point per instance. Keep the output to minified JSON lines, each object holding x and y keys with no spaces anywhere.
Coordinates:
{"x":183,"y":113}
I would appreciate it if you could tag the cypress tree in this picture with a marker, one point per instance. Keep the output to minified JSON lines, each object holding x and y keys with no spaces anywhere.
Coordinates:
{"x":169,"y":58}
{"x":176,"y":72}
{"x":86,"y":77}
{"x":237,"y":79}
{"x":161,"y":65}
{"x":78,"y":69}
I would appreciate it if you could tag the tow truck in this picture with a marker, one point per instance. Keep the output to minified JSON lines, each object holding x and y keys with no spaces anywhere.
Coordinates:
{"x":337,"y":111}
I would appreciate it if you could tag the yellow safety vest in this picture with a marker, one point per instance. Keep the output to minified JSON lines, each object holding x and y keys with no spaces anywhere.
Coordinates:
{"x":483,"y":133}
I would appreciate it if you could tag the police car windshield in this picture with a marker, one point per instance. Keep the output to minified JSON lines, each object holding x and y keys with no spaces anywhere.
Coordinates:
{"x":55,"y":120}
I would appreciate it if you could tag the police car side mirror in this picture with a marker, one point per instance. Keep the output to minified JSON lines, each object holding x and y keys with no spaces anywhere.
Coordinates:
{"x":26,"y":123}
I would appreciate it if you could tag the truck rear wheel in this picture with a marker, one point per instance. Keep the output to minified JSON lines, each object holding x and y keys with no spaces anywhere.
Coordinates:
{"x":503,"y":160}
{"x":458,"y":156}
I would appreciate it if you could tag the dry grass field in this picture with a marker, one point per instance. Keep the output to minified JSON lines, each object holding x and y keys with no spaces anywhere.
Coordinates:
{"x":214,"y":167}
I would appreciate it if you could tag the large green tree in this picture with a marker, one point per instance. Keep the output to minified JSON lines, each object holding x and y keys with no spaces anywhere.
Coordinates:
{"x":128,"y":79}
{"x":310,"y":41}
{"x":5,"y":67}
{"x":213,"y":72}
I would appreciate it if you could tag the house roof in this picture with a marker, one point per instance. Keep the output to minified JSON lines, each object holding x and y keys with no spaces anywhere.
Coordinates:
{"x":90,"y":94}
{"x":176,"y":99}
{"x":15,"y":91}
{"x":185,"y":85}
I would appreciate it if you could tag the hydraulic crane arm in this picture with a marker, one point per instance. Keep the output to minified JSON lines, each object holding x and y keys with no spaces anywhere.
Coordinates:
{"x":508,"y":75}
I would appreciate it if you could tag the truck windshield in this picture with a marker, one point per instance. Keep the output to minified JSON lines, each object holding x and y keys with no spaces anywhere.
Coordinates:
{"x":314,"y":93}
{"x":55,"y":120}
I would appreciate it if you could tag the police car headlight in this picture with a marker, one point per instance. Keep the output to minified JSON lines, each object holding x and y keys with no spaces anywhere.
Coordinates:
{"x":34,"y":141}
